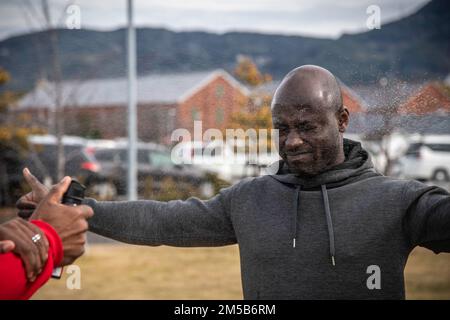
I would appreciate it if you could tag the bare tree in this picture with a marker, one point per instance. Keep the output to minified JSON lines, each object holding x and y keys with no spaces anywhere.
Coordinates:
{"x":58,"y":91}
{"x":57,"y":116}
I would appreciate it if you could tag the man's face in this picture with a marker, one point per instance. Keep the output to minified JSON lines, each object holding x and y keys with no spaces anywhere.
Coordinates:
{"x":309,"y":138}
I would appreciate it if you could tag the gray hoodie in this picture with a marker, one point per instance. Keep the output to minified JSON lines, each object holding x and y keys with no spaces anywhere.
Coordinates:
{"x":344,"y":234}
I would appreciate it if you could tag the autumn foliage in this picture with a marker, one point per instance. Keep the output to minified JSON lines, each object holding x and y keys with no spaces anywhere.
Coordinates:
{"x":247,"y":72}
{"x":13,"y":144}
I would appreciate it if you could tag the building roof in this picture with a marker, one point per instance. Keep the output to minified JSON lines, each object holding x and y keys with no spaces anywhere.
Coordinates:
{"x":432,"y":97}
{"x":368,"y":123}
{"x":267,"y":88}
{"x":447,"y":80}
{"x":351,"y":99}
{"x":432,"y":123}
{"x":154,"y":88}
{"x":392,"y":94}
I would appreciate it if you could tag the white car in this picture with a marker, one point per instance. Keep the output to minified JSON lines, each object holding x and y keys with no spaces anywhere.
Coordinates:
{"x":229,"y":162}
{"x":427,"y":158}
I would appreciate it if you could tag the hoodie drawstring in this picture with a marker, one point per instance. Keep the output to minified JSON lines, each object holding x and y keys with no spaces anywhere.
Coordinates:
{"x":297,"y":206}
{"x":326,"y":204}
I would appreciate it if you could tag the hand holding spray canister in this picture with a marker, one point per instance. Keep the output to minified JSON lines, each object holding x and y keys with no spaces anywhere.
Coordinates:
{"x":74,"y":196}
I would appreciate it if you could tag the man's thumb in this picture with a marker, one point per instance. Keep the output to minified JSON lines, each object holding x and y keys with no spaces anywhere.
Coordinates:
{"x":6,"y":246}
{"x":57,"y":191}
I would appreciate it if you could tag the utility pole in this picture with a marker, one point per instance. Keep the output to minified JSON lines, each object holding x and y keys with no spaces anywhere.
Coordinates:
{"x":132,"y":123}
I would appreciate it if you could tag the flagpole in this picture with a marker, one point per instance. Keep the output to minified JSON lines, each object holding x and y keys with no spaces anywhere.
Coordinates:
{"x":132,"y":122}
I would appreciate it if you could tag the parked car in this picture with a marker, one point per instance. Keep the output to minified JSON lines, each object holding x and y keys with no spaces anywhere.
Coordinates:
{"x":154,"y":167}
{"x":427,"y":158}
{"x":230,"y":161}
{"x":79,"y":162}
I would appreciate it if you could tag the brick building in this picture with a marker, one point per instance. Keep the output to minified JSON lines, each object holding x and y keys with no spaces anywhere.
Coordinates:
{"x":352,"y":101}
{"x":165,"y":102}
{"x":432,"y":97}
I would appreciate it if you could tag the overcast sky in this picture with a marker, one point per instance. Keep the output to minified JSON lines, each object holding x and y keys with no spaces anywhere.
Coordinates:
{"x":320,"y":18}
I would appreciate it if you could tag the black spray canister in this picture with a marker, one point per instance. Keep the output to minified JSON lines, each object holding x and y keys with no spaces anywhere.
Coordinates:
{"x":72,"y":197}
{"x":74,"y":194}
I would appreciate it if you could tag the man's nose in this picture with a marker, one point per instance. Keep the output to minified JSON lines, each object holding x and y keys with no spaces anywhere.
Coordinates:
{"x":293,"y":141}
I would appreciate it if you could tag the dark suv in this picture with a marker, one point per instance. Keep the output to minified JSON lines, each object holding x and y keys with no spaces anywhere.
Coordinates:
{"x":80,"y":163}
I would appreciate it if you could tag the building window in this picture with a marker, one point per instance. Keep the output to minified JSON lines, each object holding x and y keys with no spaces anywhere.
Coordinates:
{"x":219,"y":115}
{"x":220,"y":91}
{"x":196,"y":115}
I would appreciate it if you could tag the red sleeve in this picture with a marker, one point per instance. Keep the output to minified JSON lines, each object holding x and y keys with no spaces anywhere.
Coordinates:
{"x":13,"y":281}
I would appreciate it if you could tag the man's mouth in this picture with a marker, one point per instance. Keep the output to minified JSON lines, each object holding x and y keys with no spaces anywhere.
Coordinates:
{"x":301,"y":157}
{"x":297,"y":153}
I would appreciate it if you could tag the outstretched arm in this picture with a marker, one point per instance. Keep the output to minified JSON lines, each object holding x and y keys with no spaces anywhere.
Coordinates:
{"x":188,"y":223}
{"x":427,"y":219}
{"x":178,"y":223}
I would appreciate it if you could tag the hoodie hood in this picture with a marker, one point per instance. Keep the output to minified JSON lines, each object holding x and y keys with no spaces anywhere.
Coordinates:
{"x":356,"y":166}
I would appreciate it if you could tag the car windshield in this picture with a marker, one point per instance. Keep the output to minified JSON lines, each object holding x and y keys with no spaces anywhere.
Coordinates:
{"x":160,"y":159}
{"x":106,"y":155}
{"x":442,"y":147}
{"x":413,"y":149}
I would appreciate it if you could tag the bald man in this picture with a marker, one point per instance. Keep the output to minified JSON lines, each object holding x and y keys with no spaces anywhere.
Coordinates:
{"x":326,"y":225}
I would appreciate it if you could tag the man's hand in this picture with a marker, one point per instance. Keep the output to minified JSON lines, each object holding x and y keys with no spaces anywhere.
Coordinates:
{"x":28,"y":203}
{"x":68,"y":221}
{"x":16,"y":235}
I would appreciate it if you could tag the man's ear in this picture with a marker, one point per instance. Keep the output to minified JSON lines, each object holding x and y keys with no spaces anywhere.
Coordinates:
{"x":343,"y":119}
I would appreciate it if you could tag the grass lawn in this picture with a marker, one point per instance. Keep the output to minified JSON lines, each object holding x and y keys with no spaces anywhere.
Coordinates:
{"x":110,"y":271}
